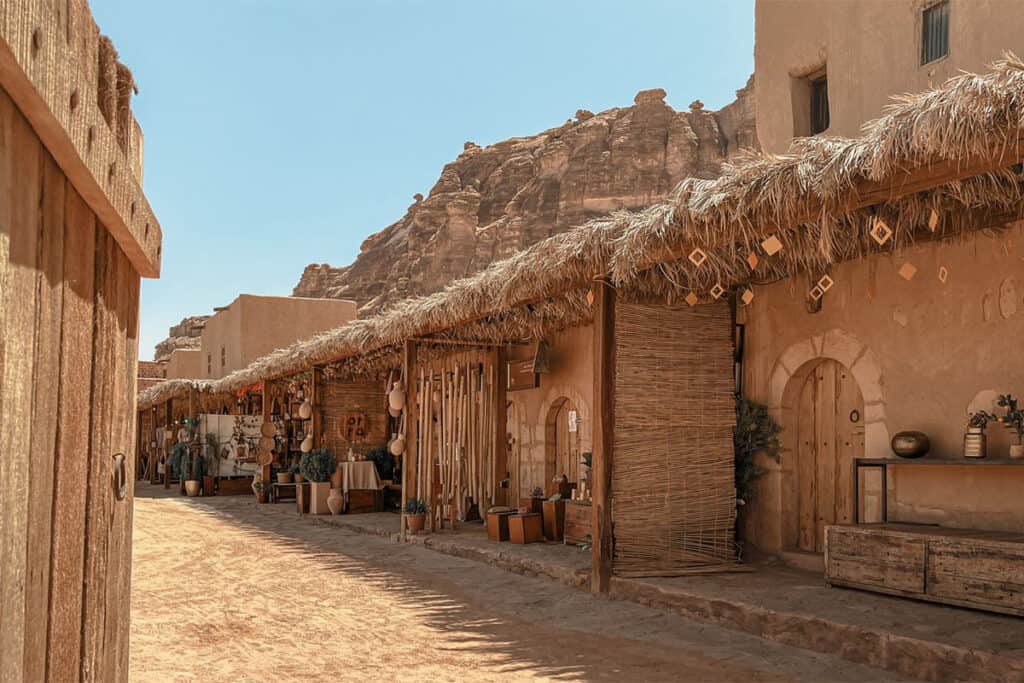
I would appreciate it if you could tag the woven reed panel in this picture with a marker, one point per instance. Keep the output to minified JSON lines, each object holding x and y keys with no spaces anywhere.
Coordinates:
{"x":673,"y":491}
{"x":338,"y":400}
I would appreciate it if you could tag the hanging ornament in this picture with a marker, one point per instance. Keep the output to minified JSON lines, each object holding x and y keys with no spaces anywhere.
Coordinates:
{"x":907,"y":271}
{"x":691,"y":299}
{"x":747,"y":297}
{"x":393,"y":413}
{"x":718,"y":290}
{"x":307,"y":444}
{"x":933,"y":220}
{"x":752,"y":260}
{"x":306,"y":410}
{"x":397,"y":446}
{"x":881,"y":232}
{"x":698,"y":257}
{"x":943,"y":274}
{"x":825,"y":283}
{"x":590,"y":297}
{"x":816,"y":292}
{"x":771,"y":245}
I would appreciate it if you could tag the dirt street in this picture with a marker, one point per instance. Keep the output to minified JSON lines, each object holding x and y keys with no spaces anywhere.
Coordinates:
{"x":225,"y":590}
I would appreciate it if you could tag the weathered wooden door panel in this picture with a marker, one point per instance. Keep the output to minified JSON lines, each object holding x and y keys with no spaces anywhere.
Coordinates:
{"x":828,"y":438}
{"x":68,"y":351}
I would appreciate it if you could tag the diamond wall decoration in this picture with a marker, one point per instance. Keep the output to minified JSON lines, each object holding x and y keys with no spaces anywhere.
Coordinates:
{"x":772,"y":245}
{"x":752,"y":260}
{"x":698,"y":257}
{"x":816,"y":292}
{"x":881,"y":232}
{"x":907,"y":271}
{"x":590,"y":297}
{"x":748,"y":296}
{"x":943,"y":274}
{"x":717,"y":290}
{"x":825,"y":283}
{"x":691,"y":299}
{"x":933,"y":220}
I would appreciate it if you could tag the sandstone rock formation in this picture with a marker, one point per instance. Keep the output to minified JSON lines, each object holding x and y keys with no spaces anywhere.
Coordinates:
{"x":493,"y":201}
{"x":184,"y":335}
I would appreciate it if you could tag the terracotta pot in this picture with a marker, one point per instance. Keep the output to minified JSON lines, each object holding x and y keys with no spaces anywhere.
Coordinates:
{"x":298,"y":478}
{"x":335,"y":501}
{"x":193,"y":487}
{"x":284,"y":477}
{"x":910,"y":444}
{"x":415,"y":522}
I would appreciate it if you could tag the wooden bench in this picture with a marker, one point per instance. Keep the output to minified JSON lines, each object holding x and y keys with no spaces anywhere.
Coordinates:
{"x":963,"y":567}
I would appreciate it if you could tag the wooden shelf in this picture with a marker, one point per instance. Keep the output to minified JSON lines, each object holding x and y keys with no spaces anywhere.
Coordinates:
{"x":959,"y":462}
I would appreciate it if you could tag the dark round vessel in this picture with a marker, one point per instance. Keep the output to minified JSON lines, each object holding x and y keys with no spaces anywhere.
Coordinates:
{"x":910,"y":444}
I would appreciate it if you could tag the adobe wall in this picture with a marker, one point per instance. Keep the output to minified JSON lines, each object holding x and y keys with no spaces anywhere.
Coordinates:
{"x":571,"y":376}
{"x":921,"y":352}
{"x":185,"y":364}
{"x":872,"y":51}
{"x":273,"y":322}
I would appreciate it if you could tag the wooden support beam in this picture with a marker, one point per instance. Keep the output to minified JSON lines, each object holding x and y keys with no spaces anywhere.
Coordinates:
{"x":501,"y":473}
{"x":315,"y":392}
{"x":604,"y":436}
{"x":465,"y":342}
{"x":411,"y":455}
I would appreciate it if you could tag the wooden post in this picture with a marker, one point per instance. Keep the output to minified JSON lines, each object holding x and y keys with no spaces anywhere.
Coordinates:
{"x":267,"y":409}
{"x":409,"y":415}
{"x":168,"y":425}
{"x":604,"y":436}
{"x":500,"y":359}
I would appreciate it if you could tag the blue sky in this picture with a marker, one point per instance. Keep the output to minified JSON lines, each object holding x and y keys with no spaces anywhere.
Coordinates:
{"x":284,"y":132}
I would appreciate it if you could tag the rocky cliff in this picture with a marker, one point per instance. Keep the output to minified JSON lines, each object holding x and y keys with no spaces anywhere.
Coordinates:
{"x":493,"y":201}
{"x":184,"y":335}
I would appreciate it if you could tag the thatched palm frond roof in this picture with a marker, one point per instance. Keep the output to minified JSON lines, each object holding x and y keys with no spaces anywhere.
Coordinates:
{"x":950,"y":150}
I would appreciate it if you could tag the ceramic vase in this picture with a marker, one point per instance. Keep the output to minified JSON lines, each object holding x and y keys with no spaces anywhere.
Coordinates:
{"x":193,"y":487}
{"x":974,"y":443}
{"x":335,"y":501}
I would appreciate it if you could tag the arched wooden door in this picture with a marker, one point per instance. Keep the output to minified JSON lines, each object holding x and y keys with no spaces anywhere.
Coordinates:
{"x":561,"y":447}
{"x":830,"y":434}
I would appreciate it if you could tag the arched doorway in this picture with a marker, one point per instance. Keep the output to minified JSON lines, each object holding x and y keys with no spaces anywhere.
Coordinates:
{"x":827,"y":411}
{"x":561,"y":442}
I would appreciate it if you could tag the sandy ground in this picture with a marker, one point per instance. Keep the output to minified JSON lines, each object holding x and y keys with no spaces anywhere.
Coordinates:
{"x":225,"y":590}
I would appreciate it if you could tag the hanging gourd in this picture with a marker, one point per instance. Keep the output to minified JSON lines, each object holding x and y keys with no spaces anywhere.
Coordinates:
{"x":397,"y":446}
{"x":393,"y":413}
{"x":396,"y":398}
{"x":307,"y":444}
{"x":306,"y":410}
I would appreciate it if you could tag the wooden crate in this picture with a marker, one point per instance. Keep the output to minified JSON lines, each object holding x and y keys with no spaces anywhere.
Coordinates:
{"x":964,"y":567}
{"x":497,"y":525}
{"x":554,"y":519}
{"x":362,"y":501}
{"x":577,"y":523}
{"x":525,"y":528}
{"x":234,"y":487}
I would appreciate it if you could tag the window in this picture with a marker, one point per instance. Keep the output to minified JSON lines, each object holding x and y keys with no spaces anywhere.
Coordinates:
{"x":209,"y":364}
{"x":223,"y":357}
{"x":935,"y":32}
{"x":819,"y":105}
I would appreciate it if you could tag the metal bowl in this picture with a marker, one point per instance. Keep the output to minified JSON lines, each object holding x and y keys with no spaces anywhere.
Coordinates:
{"x":910,"y":444}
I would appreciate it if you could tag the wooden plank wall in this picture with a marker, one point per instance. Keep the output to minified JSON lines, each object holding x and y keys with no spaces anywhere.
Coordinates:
{"x":338,"y":398}
{"x":68,"y":353}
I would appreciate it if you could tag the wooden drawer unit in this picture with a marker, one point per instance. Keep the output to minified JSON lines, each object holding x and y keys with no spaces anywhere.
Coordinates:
{"x":577,"y":523}
{"x":964,"y":567}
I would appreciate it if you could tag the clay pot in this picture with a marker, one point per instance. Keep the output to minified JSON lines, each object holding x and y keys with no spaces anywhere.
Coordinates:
{"x":335,"y":501}
{"x":284,"y":477}
{"x":415,"y":522}
{"x":306,"y":410}
{"x":307,"y":444}
{"x":975,"y":443}
{"x":298,"y":478}
{"x":910,"y":444}
{"x":193,"y":487}
{"x":397,"y":446}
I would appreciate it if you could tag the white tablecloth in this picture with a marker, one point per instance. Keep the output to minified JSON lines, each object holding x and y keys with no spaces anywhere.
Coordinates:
{"x":358,"y":475}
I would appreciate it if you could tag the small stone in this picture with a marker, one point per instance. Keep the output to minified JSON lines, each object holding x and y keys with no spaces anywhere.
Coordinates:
{"x":583,"y":114}
{"x":696,"y":106}
{"x":418,"y":197}
{"x":652,"y":96}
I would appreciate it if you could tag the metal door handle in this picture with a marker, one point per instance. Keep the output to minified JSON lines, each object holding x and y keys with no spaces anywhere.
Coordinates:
{"x":118,"y":476}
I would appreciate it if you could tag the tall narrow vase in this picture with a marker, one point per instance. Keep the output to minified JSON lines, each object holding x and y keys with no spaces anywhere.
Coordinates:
{"x":974,"y":443}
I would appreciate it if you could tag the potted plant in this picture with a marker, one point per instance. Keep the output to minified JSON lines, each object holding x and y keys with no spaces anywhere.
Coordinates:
{"x":284,"y":475}
{"x":317,"y":466}
{"x":535,"y":503}
{"x":296,"y":474}
{"x":415,"y":514}
{"x":260,"y":488}
{"x":212,"y":464}
{"x":975,"y":441}
{"x":383,"y":461}
{"x":1013,"y":419}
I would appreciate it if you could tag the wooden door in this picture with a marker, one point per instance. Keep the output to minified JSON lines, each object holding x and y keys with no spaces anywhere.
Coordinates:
{"x":68,"y":351}
{"x":830,"y":433}
{"x":560,"y":456}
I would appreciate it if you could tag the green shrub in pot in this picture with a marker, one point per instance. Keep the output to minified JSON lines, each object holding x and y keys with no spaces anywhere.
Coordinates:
{"x":317,"y":465}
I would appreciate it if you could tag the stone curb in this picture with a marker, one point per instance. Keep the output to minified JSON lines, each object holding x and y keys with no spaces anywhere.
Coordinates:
{"x":907,"y":656}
